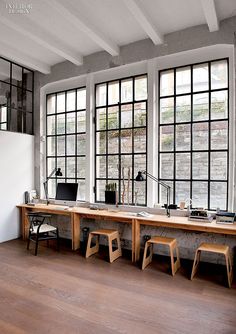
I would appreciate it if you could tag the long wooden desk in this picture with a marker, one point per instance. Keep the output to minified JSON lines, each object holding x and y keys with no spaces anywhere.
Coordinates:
{"x":77,"y":213}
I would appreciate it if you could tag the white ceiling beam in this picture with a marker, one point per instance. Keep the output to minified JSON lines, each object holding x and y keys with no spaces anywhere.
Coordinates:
{"x":82,"y":24}
{"x":145,"y":22}
{"x":209,"y":10}
{"x":22,"y":58}
{"x":39,"y":35}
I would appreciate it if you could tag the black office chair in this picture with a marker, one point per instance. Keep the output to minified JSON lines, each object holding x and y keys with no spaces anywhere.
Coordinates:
{"x":39,"y":229}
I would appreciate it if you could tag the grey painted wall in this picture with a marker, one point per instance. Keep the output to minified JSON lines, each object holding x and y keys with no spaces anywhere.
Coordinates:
{"x":187,"y":39}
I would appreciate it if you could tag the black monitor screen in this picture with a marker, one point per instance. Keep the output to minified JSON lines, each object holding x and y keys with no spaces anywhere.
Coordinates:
{"x":67,"y":191}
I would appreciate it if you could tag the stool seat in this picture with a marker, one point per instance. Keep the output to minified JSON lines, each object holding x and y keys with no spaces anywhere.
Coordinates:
{"x":171,"y":242}
{"x":214,"y":248}
{"x":111,"y":235}
{"x":104,"y":232}
{"x":162,"y":240}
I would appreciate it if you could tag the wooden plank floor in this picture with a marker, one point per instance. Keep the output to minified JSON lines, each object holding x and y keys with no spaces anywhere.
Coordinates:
{"x":65,"y":293}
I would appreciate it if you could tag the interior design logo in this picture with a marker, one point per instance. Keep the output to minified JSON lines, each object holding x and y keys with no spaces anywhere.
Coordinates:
{"x":19,"y":8}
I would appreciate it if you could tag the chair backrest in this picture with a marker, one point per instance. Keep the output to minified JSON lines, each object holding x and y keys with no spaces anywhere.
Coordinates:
{"x":37,"y":219}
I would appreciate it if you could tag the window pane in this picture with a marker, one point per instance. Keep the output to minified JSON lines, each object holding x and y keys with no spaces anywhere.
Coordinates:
{"x":113,"y":92}
{"x":200,"y":195}
{"x":219,"y":104}
{"x":219,"y":74}
{"x":219,"y":135}
{"x":126,"y":90}
{"x":100,"y":166}
{"x":51,"y":125}
{"x":81,"y":121}
{"x":126,"y":163}
{"x":140,"y":88}
{"x":140,"y":193}
{"x":200,"y":107}
{"x":51,"y":188}
{"x":51,"y":164}
{"x":167,"y":110}
{"x":70,"y":122}
{"x":167,"y":138}
{"x":100,"y":190}
{"x":61,"y":164}
{"x":27,"y":79}
{"x":101,"y":118}
{"x":51,"y":104}
{"x":182,"y":190}
{"x":218,"y":195}
{"x":182,"y":165}
{"x":126,"y":141}
{"x":183,"y":80}
{"x":183,"y":137}
{"x":70,"y":166}
{"x":60,"y":124}
{"x":140,"y":114}
{"x":113,"y":117}
{"x":113,"y":141}
{"x":200,"y":77}
{"x":70,"y":145}
{"x":126,"y":116}
{"x":166,"y":166}
{"x":183,"y":108}
{"x":139,"y":163}
{"x":200,"y":136}
{"x":101,"y":95}
{"x":163,"y":193}
{"x":219,"y":165}
{"x":4,"y":70}
{"x":139,"y":140}
{"x":113,"y":164}
{"x":70,"y":101}
{"x":81,"y":144}
{"x":81,"y":99}
{"x":81,"y":167}
{"x":200,"y":165}
{"x":27,"y":100}
{"x":167,"y":83}
{"x":101,"y":142}
{"x":61,"y":102}
{"x":51,"y":143}
{"x":61,"y":145}
{"x":17,"y":75}
{"x":81,"y":190}
{"x":128,"y":196}
{"x":16,"y":98}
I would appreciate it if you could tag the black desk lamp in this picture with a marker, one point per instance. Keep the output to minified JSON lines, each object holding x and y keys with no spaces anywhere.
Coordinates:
{"x":140,"y":177}
{"x":57,"y":172}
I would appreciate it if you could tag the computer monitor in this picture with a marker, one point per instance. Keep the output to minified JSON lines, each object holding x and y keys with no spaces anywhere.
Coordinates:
{"x":67,"y":191}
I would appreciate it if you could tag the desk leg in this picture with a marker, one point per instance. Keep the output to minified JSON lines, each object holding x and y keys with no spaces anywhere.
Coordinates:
{"x":137,"y":240}
{"x":24,"y":224}
{"x":75,"y":230}
{"x":133,"y":240}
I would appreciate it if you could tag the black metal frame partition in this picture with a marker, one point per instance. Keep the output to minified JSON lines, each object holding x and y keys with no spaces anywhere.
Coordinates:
{"x":76,"y":133}
{"x":119,"y":129}
{"x":21,"y":90}
{"x":191,"y":123}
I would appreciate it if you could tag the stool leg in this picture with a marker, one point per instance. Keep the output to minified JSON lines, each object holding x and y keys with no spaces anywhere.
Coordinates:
{"x":113,"y":255}
{"x":196,"y":263}
{"x":174,"y":264}
{"x":229,"y":268}
{"x":92,"y":250}
{"x":147,"y":260}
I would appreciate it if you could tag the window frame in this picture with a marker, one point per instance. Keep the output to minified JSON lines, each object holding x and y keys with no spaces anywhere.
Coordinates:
{"x":209,"y":121}
{"x":119,"y":128}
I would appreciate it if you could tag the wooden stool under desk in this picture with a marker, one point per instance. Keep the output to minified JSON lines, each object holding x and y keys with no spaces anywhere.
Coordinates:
{"x":171,"y":242}
{"x":214,"y":248}
{"x":112,"y":235}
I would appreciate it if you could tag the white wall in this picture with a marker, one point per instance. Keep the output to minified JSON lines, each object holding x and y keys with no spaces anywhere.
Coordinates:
{"x":16,"y":176}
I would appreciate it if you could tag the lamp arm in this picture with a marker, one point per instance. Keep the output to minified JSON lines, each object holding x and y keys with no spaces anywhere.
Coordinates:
{"x":45,"y":184}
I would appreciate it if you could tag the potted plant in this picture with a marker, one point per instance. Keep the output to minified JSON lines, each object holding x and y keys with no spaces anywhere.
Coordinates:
{"x":111,"y":193}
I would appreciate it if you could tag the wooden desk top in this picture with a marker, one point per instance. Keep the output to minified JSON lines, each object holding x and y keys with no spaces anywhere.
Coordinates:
{"x":176,"y":222}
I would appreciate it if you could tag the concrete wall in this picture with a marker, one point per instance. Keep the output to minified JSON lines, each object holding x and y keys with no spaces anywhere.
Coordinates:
{"x":16,"y":177}
{"x":177,"y":42}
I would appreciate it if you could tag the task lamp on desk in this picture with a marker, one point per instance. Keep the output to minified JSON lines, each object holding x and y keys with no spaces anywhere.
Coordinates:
{"x":57,"y":172}
{"x":140,"y":177}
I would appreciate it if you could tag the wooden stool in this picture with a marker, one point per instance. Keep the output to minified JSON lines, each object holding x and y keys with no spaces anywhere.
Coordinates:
{"x":171,"y":242}
{"x":214,"y":248}
{"x":112,"y":235}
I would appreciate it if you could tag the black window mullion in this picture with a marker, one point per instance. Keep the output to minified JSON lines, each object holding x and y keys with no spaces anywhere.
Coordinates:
{"x":174,"y":183}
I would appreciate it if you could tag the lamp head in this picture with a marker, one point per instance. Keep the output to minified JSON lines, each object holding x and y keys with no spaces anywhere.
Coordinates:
{"x":58,"y":172}
{"x":140,"y":177}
